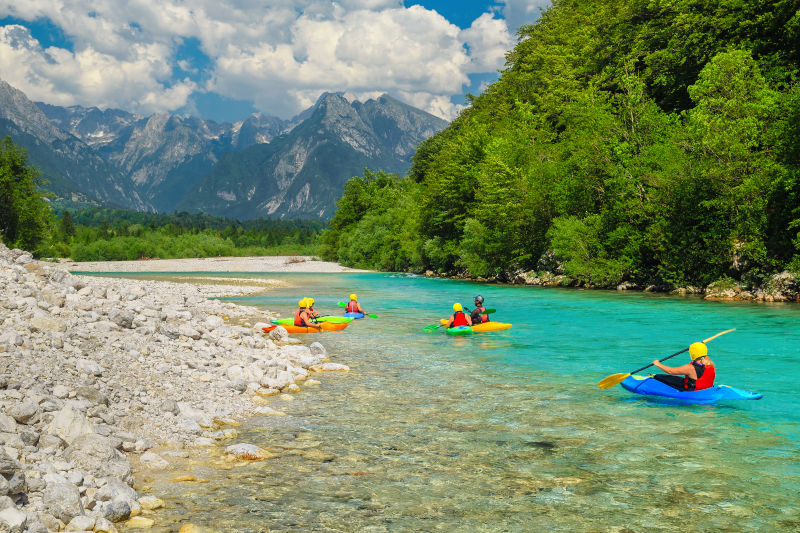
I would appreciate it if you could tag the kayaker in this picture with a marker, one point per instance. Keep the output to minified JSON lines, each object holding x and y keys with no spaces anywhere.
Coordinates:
{"x":302,"y":317}
{"x":458,"y":318}
{"x":311,"y":311}
{"x":697,"y":375}
{"x":353,"y":306}
{"x":478,"y":315}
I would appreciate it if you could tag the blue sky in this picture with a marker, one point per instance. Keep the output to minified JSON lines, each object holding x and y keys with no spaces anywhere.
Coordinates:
{"x":225,"y":59}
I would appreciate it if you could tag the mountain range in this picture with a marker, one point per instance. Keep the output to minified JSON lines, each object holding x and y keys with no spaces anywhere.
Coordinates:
{"x":261,"y":166}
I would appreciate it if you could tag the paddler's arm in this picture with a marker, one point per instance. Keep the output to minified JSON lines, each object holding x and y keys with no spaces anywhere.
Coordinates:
{"x":683,"y":370}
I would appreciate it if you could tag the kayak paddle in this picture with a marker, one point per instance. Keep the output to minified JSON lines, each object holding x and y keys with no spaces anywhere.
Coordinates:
{"x":616,"y":379}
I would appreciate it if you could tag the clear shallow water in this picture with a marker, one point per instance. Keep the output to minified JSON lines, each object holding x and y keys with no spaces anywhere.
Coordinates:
{"x":507,"y":431}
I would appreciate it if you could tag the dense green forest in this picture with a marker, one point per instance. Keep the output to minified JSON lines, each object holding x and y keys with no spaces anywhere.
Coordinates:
{"x":115,"y":234}
{"x":28,"y":221}
{"x":655,"y":142}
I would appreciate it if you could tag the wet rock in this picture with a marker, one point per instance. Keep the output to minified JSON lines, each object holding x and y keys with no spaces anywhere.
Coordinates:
{"x":330,"y":367}
{"x":318,"y":350}
{"x":151,"y":503}
{"x":116,"y":511}
{"x":249,"y":452}
{"x":139,"y":522}
{"x":153,"y":461}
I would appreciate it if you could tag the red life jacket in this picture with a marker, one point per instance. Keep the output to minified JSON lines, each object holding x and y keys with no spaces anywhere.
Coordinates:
{"x":705,"y":377}
{"x":299,"y":320}
{"x":352,"y":307}
{"x":459,"y":319}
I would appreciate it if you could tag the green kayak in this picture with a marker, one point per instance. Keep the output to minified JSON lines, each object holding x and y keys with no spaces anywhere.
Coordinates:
{"x":334,"y":319}
{"x":459,"y":330}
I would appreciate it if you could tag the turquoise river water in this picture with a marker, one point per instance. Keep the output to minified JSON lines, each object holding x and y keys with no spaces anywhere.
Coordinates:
{"x":508,"y":431}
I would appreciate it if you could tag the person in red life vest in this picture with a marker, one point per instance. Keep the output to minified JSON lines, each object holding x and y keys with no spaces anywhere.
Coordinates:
{"x":478,"y":315}
{"x":458,"y":318}
{"x":697,"y":375}
{"x":302,"y":317}
{"x":353,"y":306}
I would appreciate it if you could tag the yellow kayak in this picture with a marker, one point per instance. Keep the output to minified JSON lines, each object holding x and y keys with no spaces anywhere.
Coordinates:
{"x":485,"y":326}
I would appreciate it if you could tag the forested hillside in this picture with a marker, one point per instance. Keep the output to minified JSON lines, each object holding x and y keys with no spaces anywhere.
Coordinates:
{"x":645,"y":141}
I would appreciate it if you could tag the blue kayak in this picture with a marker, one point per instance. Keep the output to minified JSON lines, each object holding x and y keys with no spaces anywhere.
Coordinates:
{"x":652,"y":387}
{"x":354,"y":315}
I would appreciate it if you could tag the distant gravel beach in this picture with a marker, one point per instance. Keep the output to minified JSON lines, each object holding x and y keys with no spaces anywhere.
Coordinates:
{"x":293,"y":263}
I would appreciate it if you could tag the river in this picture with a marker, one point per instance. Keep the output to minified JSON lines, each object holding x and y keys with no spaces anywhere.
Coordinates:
{"x":508,"y":431}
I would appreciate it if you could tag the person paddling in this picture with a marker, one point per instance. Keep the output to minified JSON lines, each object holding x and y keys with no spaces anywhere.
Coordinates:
{"x":458,"y":318}
{"x":311,"y":311}
{"x":478,"y":315}
{"x":697,"y":375}
{"x":302,"y":317}
{"x":353,"y":306}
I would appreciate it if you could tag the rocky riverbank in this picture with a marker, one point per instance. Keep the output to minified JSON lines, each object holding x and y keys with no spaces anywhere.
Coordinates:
{"x":780,"y":287}
{"x":96,"y":372}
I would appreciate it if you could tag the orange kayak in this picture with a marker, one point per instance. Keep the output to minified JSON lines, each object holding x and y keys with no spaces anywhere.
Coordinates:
{"x":322,"y":326}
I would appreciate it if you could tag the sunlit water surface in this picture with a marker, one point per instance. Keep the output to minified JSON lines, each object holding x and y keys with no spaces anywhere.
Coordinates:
{"x":508,"y":431}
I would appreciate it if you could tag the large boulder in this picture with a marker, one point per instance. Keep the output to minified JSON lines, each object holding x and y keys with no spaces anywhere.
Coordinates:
{"x":25,"y":411}
{"x":69,"y":424}
{"x":62,"y":500}
{"x":94,"y":454}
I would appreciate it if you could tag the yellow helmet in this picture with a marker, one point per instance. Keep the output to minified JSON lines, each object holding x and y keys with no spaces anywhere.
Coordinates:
{"x":302,"y":303}
{"x":353,"y":297}
{"x":457,"y":307}
{"x":697,"y":350}
{"x":310,"y":302}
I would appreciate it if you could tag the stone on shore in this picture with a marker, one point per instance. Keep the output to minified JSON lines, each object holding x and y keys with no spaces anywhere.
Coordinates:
{"x":63,"y":501}
{"x":94,"y":365}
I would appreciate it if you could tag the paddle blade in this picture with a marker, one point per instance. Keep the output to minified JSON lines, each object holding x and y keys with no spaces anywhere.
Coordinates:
{"x":489,"y":311}
{"x":430,"y":328}
{"x":372,"y":316}
{"x":341,"y":304}
{"x":610,"y":381}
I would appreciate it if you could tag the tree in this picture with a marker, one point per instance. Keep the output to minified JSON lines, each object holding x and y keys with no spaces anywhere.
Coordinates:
{"x":25,"y":217}
{"x":67,"y":225}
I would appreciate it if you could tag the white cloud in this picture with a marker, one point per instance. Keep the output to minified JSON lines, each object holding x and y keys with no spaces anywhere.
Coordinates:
{"x":488,"y":40}
{"x":280,"y":54}
{"x":521,"y":12}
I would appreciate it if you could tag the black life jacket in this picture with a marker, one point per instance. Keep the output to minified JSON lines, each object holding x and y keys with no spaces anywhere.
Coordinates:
{"x":478,"y":316}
